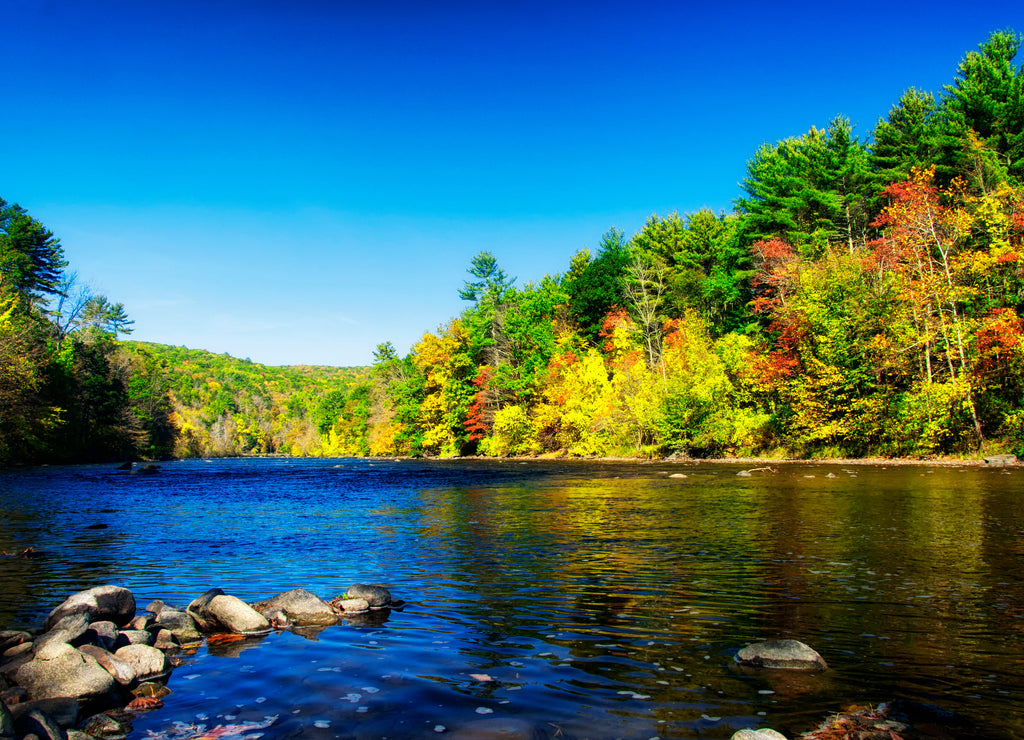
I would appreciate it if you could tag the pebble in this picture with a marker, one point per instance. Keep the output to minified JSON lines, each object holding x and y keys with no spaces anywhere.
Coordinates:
{"x":484,"y":710}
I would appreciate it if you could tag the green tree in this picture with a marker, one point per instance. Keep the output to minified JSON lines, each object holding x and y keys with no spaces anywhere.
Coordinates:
{"x":987,"y":97}
{"x":31,"y":257}
{"x":491,"y":281}
{"x":809,"y":191}
{"x":594,"y":286}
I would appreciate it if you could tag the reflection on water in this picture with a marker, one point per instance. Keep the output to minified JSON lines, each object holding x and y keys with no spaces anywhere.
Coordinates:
{"x":553,"y":599}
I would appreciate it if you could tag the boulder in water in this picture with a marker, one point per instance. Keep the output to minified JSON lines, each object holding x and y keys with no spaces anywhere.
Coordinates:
{"x":781,"y":654}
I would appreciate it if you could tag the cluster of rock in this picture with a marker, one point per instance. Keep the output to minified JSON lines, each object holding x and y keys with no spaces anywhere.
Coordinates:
{"x":96,"y":654}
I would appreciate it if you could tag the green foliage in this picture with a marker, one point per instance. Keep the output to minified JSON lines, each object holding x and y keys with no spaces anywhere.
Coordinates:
{"x":491,"y":282}
{"x":31,"y":258}
{"x":595,"y":286}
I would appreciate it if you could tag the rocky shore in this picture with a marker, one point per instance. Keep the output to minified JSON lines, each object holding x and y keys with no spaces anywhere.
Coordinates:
{"x":95,"y":662}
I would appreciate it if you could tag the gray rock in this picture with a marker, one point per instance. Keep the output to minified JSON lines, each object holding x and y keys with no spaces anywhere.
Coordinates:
{"x":133,"y":637}
{"x":102,"y":602}
{"x":155,"y":607}
{"x":147,"y":662}
{"x":51,"y":644}
{"x":218,"y":612}
{"x":351,"y":606}
{"x":79,"y":735}
{"x":765,"y":733}
{"x":301,"y":606}
{"x":122,"y":672}
{"x":164,"y":640}
{"x":781,"y":654}
{"x":142,"y":622}
{"x":68,"y":672}
{"x":103,"y":634}
{"x":180,"y":624}
{"x":376,"y":596}
{"x":74,"y":625}
{"x":1001,"y":461}
{"x":37,"y":723}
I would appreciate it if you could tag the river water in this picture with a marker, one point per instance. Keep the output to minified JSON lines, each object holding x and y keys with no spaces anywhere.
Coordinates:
{"x":551,"y":599}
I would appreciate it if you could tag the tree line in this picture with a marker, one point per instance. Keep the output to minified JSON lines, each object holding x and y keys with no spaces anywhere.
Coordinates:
{"x":862,"y":298}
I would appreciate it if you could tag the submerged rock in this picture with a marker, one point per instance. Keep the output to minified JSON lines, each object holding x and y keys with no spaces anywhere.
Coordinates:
{"x":781,"y":654}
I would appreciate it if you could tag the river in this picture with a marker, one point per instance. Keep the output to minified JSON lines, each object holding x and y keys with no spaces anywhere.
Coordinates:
{"x":551,"y":599}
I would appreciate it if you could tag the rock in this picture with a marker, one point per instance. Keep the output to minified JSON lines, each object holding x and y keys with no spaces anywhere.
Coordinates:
{"x":142,"y":622}
{"x":155,"y":607}
{"x":14,"y":695}
{"x":764,"y":733}
{"x":147,"y":662}
{"x":376,"y":596}
{"x":147,"y":469}
{"x":1001,"y":461}
{"x":351,"y":606}
{"x":122,"y":672}
{"x":73,"y":626}
{"x":11,"y":638}
{"x":679,"y":475}
{"x":781,"y":654}
{"x":278,"y":618}
{"x":67,"y":672}
{"x":15,"y":650}
{"x":51,"y":644}
{"x":6,"y":722}
{"x":164,"y":640}
{"x":133,"y":637}
{"x":215,"y":611}
{"x":105,"y":726}
{"x":301,"y":606}
{"x":62,"y":710}
{"x":179,"y":623}
{"x":37,"y":723}
{"x":102,"y":602}
{"x":103,"y":634}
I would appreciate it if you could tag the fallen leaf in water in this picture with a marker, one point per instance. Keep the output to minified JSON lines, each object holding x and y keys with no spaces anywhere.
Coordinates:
{"x":220,"y":638}
{"x":480,"y":677}
{"x":144,"y":704}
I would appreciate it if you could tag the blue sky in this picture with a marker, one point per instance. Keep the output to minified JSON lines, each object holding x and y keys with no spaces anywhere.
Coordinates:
{"x":296,"y":182}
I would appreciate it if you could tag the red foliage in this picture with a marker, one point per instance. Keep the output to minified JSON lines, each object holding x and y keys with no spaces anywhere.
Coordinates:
{"x":998,"y":339}
{"x":616,"y":318}
{"x":475,"y":422}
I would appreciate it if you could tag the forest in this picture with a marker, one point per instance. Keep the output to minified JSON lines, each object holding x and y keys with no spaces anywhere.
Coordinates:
{"x":863,"y":298}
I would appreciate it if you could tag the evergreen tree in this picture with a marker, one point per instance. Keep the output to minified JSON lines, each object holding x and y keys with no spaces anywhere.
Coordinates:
{"x":31,"y":257}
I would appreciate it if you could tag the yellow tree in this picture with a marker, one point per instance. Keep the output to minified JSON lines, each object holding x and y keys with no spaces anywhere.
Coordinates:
{"x":448,"y":372}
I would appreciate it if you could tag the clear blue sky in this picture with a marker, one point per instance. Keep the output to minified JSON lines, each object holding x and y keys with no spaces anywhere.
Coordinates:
{"x":295,"y":182}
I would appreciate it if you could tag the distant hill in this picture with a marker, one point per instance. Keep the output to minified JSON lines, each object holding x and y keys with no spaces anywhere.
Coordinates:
{"x":221,"y":405}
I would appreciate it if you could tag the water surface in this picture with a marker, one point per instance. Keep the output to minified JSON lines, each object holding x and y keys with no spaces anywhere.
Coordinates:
{"x":556,"y":599}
